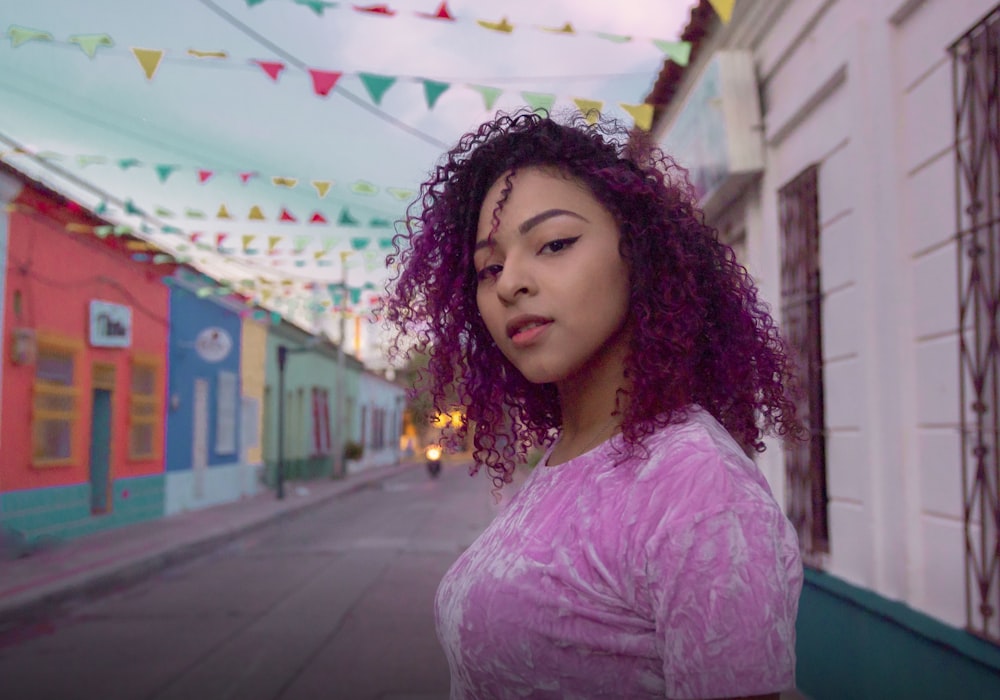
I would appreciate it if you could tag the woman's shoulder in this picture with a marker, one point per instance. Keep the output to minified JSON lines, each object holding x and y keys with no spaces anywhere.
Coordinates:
{"x":696,"y":463}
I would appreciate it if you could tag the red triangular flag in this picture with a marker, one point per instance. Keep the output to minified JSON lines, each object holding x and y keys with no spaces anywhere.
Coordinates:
{"x":376,"y":9}
{"x":272,"y":68}
{"x":245,"y":177}
{"x":204,"y":175}
{"x":317,"y":218}
{"x":219,"y":238}
{"x":442,"y":13}
{"x":324,"y":80}
{"x":286,"y":216}
{"x":195,"y":236}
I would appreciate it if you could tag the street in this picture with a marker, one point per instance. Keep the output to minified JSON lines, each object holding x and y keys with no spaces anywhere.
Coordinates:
{"x":333,"y":603}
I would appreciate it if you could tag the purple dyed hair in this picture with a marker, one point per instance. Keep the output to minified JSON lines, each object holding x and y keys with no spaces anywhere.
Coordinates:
{"x":700,"y":333}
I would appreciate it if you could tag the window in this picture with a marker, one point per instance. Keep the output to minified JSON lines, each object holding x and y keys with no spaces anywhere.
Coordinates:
{"x":145,"y":409}
{"x":55,"y":406}
{"x":976,"y":74}
{"x":321,"y":421}
{"x":226,"y":403}
{"x":801,"y":296}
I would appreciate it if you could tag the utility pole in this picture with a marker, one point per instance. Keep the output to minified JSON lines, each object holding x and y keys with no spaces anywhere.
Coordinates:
{"x":280,"y":476}
{"x":339,"y":417}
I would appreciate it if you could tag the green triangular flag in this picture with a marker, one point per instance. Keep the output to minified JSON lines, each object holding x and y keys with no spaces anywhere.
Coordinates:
{"x":101,"y":208}
{"x":677,"y":51}
{"x":539,"y":101}
{"x":433,"y":90}
{"x":360,"y":243}
{"x":131,"y":208}
{"x":617,"y":38}
{"x":316,"y":6}
{"x":490,"y":94}
{"x":164,"y":171}
{"x":362,"y":187}
{"x":299,"y":244}
{"x":346,"y":219}
{"x":355,"y":295}
{"x":90,"y":42}
{"x":380,"y":223}
{"x":22,"y":35}
{"x":251,"y":3}
{"x":376,"y":85}
{"x":385,"y":243}
{"x":126,"y":163}
{"x":103,"y":231}
{"x":399,"y":193}
{"x":163,"y":212}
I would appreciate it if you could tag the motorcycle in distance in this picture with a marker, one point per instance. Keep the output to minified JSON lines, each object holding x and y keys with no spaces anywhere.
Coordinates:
{"x":433,"y":455}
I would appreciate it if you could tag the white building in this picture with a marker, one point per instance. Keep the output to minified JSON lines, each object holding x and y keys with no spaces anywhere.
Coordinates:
{"x":849,"y":150}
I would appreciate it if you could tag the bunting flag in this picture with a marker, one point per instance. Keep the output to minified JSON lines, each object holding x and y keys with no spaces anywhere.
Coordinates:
{"x":256,"y":214}
{"x":539,"y":101}
{"x":205,"y":175}
{"x":501,"y":26}
{"x":164,"y":171}
{"x":433,"y":89}
{"x":317,"y":218}
{"x":346,"y":219}
{"x":286,"y":216}
{"x":360,"y":243}
{"x":323,"y":81}
{"x":677,"y":51}
{"x":383,"y":10}
{"x":272,"y":68}
{"x":591,"y":109}
{"x":441,"y":13}
{"x":317,"y":6}
{"x":723,"y":8}
{"x":163,"y":213}
{"x":207,"y":54}
{"x":126,"y":163}
{"x":616,"y":38}
{"x":565,"y":29}
{"x":89,"y":43}
{"x":322,"y":187}
{"x":399,"y":193}
{"x":22,"y":35}
{"x":490,"y":95}
{"x":376,"y":85}
{"x":289,"y":182}
{"x":246,"y":240}
{"x":149,"y":60}
{"x":223,"y":213}
{"x":363,"y":187}
{"x":642,"y":114}
{"x":272,"y":242}
{"x":245,"y":177}
{"x":299,"y":244}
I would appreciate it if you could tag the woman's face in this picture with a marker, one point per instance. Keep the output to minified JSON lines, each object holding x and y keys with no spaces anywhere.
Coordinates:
{"x":553,"y":289}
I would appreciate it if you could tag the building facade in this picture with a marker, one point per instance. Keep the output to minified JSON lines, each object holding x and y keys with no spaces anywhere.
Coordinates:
{"x":850,"y":155}
{"x":380,"y":421}
{"x":205,"y":449}
{"x":83,"y":385}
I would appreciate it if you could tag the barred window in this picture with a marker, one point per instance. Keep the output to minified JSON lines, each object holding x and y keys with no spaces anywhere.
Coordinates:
{"x":801,"y":296}
{"x":145,"y":410}
{"x":976,"y":71}
{"x":55,"y":405}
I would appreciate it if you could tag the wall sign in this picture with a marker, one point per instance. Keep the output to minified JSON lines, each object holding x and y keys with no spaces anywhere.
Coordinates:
{"x":110,"y":325}
{"x":213,"y":344}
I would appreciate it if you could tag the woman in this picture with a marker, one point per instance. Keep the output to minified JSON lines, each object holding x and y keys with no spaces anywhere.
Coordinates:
{"x":568,"y":293}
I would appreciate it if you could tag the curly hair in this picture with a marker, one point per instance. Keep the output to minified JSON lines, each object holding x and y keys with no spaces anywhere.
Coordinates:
{"x":700,"y":333}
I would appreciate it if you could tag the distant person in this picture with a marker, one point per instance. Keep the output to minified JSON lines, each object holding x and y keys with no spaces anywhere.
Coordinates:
{"x":569,"y":294}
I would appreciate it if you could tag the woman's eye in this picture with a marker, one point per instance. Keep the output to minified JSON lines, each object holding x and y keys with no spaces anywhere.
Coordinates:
{"x":489,"y":272}
{"x":559,"y":244}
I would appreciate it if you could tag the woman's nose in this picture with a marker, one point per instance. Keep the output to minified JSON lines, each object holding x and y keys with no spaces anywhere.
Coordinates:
{"x":515,"y":279}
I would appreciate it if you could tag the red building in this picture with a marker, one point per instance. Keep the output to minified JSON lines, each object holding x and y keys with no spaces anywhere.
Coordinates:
{"x":82,"y":390}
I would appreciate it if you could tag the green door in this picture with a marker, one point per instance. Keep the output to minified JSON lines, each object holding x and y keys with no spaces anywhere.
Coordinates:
{"x":100,"y":452}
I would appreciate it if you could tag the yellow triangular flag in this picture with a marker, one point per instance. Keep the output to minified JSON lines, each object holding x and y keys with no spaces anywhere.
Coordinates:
{"x":207,"y":54}
{"x":272,"y":241}
{"x":247,"y":240}
{"x":723,"y":8}
{"x":288,"y":182}
{"x":149,"y":59}
{"x":223,"y":213}
{"x":642,"y":114}
{"x":591,"y":109}
{"x":501,"y":26}
{"x":255,"y":213}
{"x":565,"y":29}
{"x":322,"y":187}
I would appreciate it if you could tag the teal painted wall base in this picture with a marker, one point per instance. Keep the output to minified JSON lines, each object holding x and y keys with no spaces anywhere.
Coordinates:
{"x":854,"y":644}
{"x":35,"y":516}
{"x":301,"y":469}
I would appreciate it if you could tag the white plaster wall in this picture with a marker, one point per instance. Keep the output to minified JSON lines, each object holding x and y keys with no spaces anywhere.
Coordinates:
{"x":223,"y":484}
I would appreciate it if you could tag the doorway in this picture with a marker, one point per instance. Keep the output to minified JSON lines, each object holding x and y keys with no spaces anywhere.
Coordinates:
{"x":103,"y":384}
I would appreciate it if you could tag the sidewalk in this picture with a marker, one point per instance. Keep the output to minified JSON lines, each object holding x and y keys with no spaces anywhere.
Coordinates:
{"x":97,"y":563}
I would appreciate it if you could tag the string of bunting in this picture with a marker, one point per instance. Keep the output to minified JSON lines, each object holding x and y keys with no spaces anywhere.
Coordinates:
{"x":204,"y":175}
{"x":324,"y":81}
{"x":723,"y":8}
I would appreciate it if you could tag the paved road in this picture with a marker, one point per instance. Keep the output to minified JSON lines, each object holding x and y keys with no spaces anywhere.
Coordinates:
{"x":334,"y":603}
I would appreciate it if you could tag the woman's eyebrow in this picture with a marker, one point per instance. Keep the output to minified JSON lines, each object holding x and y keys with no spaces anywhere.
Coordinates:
{"x":531,"y":223}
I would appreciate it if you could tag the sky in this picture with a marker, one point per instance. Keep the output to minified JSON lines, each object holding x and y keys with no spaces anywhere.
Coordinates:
{"x":208,"y":134}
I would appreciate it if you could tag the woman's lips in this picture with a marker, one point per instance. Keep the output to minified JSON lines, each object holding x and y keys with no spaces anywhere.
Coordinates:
{"x":530,"y":333}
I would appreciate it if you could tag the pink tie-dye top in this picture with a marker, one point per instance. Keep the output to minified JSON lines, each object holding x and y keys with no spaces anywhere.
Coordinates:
{"x":672,"y":576}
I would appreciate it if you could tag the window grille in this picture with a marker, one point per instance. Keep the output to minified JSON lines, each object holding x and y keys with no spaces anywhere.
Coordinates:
{"x":976,"y":81}
{"x":145,"y":410}
{"x":805,"y":461}
{"x":55,"y":409}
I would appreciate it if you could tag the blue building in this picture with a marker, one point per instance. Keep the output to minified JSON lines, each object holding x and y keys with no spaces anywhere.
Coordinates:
{"x":204,"y":453}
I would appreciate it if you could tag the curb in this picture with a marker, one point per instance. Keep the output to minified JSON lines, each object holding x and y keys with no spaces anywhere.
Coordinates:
{"x":34,"y":603}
